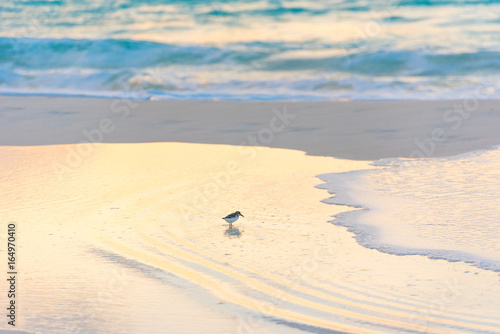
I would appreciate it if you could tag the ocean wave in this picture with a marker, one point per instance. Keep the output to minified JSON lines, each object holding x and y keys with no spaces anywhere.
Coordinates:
{"x":32,"y":53}
{"x":251,"y":49}
{"x":237,"y":71}
{"x":443,"y":208}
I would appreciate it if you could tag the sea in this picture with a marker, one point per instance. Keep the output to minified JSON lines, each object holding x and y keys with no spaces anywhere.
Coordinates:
{"x":251,"y":50}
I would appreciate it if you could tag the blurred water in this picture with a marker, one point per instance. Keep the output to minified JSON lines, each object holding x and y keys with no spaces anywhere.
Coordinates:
{"x":251,"y":50}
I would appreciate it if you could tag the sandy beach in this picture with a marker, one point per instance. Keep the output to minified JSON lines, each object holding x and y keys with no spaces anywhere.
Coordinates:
{"x":118,"y":206}
{"x":356,"y":141}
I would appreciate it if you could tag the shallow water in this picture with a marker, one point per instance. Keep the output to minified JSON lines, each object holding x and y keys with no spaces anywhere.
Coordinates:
{"x":251,"y":50}
{"x":446,"y":208}
{"x":111,"y":249}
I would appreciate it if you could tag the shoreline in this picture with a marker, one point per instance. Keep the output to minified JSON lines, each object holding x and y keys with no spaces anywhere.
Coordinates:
{"x":289,"y":267}
{"x":290,"y":271}
{"x":154,"y":209}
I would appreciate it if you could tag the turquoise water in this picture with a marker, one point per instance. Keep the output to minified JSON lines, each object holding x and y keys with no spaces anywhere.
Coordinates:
{"x":251,"y":50}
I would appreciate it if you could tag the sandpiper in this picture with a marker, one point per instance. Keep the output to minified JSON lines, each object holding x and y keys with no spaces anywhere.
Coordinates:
{"x":232,"y":217}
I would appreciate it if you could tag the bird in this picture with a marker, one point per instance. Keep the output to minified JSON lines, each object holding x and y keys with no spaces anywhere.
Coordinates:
{"x":232,"y":217}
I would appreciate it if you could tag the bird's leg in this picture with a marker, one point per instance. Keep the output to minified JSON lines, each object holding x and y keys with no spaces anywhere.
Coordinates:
{"x":231,"y":226}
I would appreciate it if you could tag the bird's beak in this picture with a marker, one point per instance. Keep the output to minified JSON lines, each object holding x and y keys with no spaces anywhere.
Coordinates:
{"x":242,"y":215}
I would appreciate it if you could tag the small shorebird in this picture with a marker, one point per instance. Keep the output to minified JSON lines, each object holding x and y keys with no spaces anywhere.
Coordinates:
{"x":232,"y":217}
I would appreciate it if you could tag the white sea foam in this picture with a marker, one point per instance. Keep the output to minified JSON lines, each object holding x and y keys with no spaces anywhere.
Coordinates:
{"x":446,"y":208}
